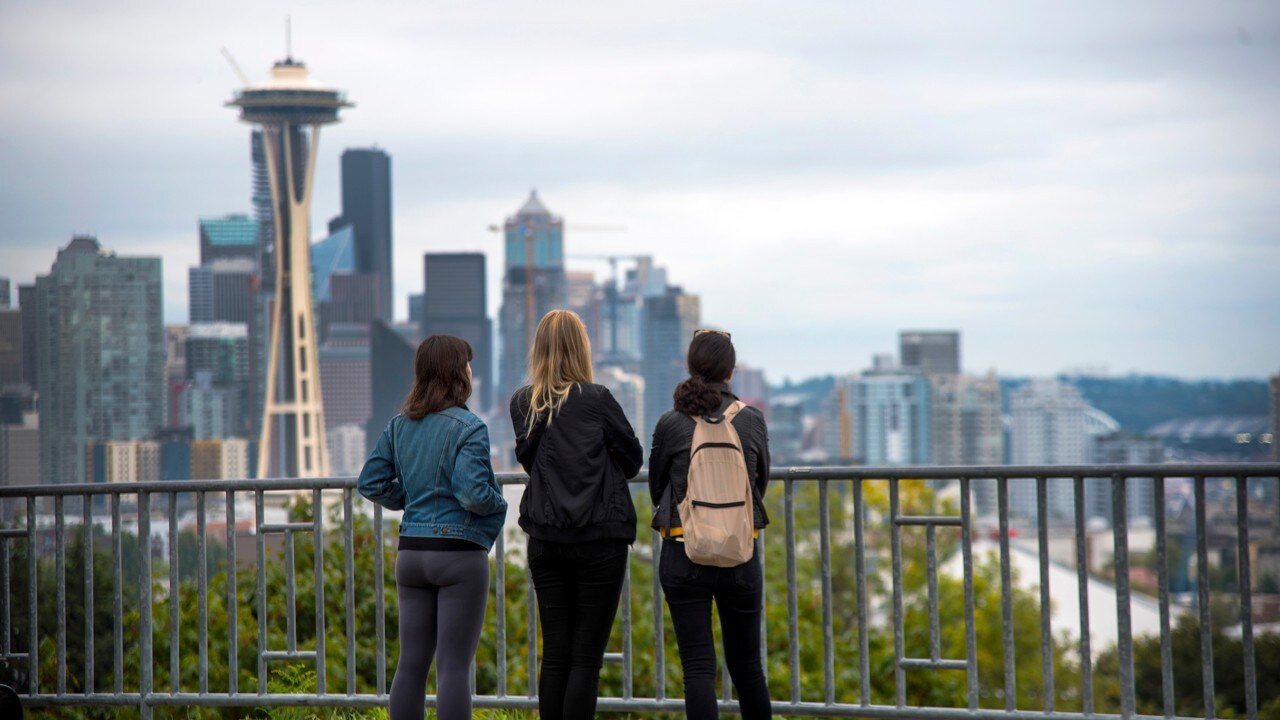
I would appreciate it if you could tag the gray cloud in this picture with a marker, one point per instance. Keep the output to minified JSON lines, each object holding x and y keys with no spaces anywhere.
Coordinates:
{"x":1067,"y":183}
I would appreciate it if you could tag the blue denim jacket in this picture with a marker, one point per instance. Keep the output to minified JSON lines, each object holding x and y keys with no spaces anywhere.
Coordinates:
{"x":437,"y":470}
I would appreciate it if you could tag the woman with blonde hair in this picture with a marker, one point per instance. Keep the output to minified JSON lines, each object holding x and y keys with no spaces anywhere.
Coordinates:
{"x":579,"y":450}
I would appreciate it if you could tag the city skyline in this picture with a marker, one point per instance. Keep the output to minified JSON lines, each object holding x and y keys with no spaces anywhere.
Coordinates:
{"x":1105,"y":185}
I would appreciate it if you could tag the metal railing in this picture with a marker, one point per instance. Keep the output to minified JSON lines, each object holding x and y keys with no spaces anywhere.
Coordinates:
{"x":159,"y":513}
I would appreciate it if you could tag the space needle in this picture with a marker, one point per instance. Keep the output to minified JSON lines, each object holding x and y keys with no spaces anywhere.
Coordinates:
{"x":291,"y":107}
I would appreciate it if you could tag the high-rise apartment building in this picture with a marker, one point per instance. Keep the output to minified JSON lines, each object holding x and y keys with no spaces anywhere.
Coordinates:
{"x":533,"y":283}
{"x":226,"y":459}
{"x":892,"y":422}
{"x":100,"y":349}
{"x":786,"y":429}
{"x":4,"y":293}
{"x":1049,"y":428}
{"x":263,"y":209}
{"x":968,"y":429}
{"x":666,"y":329}
{"x":455,"y":302}
{"x":932,"y":352}
{"x":215,"y":397}
{"x":366,"y":207}
{"x":839,"y":413}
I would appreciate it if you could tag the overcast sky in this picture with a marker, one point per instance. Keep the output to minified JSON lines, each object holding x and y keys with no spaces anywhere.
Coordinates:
{"x":1071,"y":184}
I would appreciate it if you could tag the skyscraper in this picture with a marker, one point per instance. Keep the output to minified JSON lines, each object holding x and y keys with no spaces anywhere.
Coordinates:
{"x":1274,"y":386}
{"x":455,"y":302}
{"x":391,"y":352}
{"x":892,"y":416}
{"x":216,"y":392}
{"x":533,"y":284}
{"x":1049,"y":420}
{"x":666,"y":329}
{"x":366,"y":207}
{"x":10,"y":347}
{"x":291,"y":107}
{"x":4,"y":292}
{"x":968,"y":429}
{"x":100,"y":349}
{"x":331,"y":256}
{"x":27,"y":305}
{"x":932,"y":352}
{"x":222,"y":290}
{"x":230,"y":236}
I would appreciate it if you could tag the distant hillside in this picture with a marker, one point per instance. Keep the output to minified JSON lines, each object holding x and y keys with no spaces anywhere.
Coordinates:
{"x":815,"y":390}
{"x":1139,"y":402}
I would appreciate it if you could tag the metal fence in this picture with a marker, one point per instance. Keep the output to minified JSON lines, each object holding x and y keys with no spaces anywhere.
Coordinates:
{"x":40,"y":516}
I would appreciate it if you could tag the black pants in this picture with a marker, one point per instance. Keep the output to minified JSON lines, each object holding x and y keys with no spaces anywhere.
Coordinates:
{"x":578,"y":587}
{"x":738,"y":593}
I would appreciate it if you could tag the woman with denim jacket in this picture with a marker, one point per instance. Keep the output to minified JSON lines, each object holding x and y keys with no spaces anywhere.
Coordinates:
{"x":579,"y":450}
{"x":432,"y":461}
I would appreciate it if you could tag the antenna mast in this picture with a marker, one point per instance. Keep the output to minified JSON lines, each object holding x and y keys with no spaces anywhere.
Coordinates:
{"x":288,"y":37}
{"x":235,"y":67}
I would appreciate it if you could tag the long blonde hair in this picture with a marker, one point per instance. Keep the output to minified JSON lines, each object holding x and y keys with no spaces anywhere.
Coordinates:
{"x":559,"y":359}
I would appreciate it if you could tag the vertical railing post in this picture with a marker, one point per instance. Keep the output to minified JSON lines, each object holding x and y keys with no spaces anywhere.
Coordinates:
{"x":1162,"y":579}
{"x":1120,"y":530}
{"x":899,"y":617}
{"x":145,"y":658}
{"x":88,"y":595}
{"x":1082,"y":599}
{"x":1246,"y":595}
{"x":1046,"y":633}
{"x":1202,"y":600}
{"x":317,"y":547}
{"x":793,"y":627}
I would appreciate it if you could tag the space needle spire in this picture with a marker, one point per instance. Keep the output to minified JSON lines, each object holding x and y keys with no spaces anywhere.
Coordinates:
{"x":290,"y":107}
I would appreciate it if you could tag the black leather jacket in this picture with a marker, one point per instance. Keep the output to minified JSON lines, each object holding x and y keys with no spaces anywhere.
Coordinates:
{"x":578,"y":468}
{"x":669,"y":459}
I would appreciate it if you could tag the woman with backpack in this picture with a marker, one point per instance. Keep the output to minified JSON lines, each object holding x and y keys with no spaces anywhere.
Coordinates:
{"x":579,"y":450}
{"x":708,"y":469}
{"x":432,"y":461}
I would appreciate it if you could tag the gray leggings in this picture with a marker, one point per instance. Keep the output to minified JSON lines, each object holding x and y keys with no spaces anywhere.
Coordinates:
{"x":442,"y":601}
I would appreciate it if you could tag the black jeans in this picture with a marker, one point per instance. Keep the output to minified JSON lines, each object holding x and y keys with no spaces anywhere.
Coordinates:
{"x":578,"y":587}
{"x":738,"y":594}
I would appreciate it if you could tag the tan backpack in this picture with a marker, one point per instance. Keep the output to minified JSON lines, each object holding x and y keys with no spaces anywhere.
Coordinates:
{"x":717,"y":512}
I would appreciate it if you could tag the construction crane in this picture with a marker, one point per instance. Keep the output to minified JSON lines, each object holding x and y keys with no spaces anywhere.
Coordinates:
{"x":529,"y":297}
{"x":613,"y":292}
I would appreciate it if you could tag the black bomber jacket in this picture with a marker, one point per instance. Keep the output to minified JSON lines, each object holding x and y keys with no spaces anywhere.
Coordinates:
{"x":669,"y":459}
{"x":578,"y":466}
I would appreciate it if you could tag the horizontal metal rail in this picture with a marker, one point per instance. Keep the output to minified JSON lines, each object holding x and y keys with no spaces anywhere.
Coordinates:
{"x":897,"y":554}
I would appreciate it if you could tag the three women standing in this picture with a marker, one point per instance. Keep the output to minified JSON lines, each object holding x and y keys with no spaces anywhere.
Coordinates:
{"x":432,"y":461}
{"x":579,"y":450}
{"x":690,"y":588}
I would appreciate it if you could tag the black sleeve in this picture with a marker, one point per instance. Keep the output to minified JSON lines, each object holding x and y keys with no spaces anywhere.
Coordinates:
{"x":762,"y":456}
{"x":659,"y":460}
{"x":621,"y":440}
{"x":526,"y":442}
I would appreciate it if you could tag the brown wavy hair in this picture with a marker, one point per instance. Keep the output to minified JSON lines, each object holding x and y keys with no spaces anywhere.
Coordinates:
{"x":559,"y":359}
{"x":711,"y":360}
{"x":440,"y":376}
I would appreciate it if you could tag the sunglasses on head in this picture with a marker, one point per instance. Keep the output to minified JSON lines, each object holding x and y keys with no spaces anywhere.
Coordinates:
{"x":703,"y":331}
